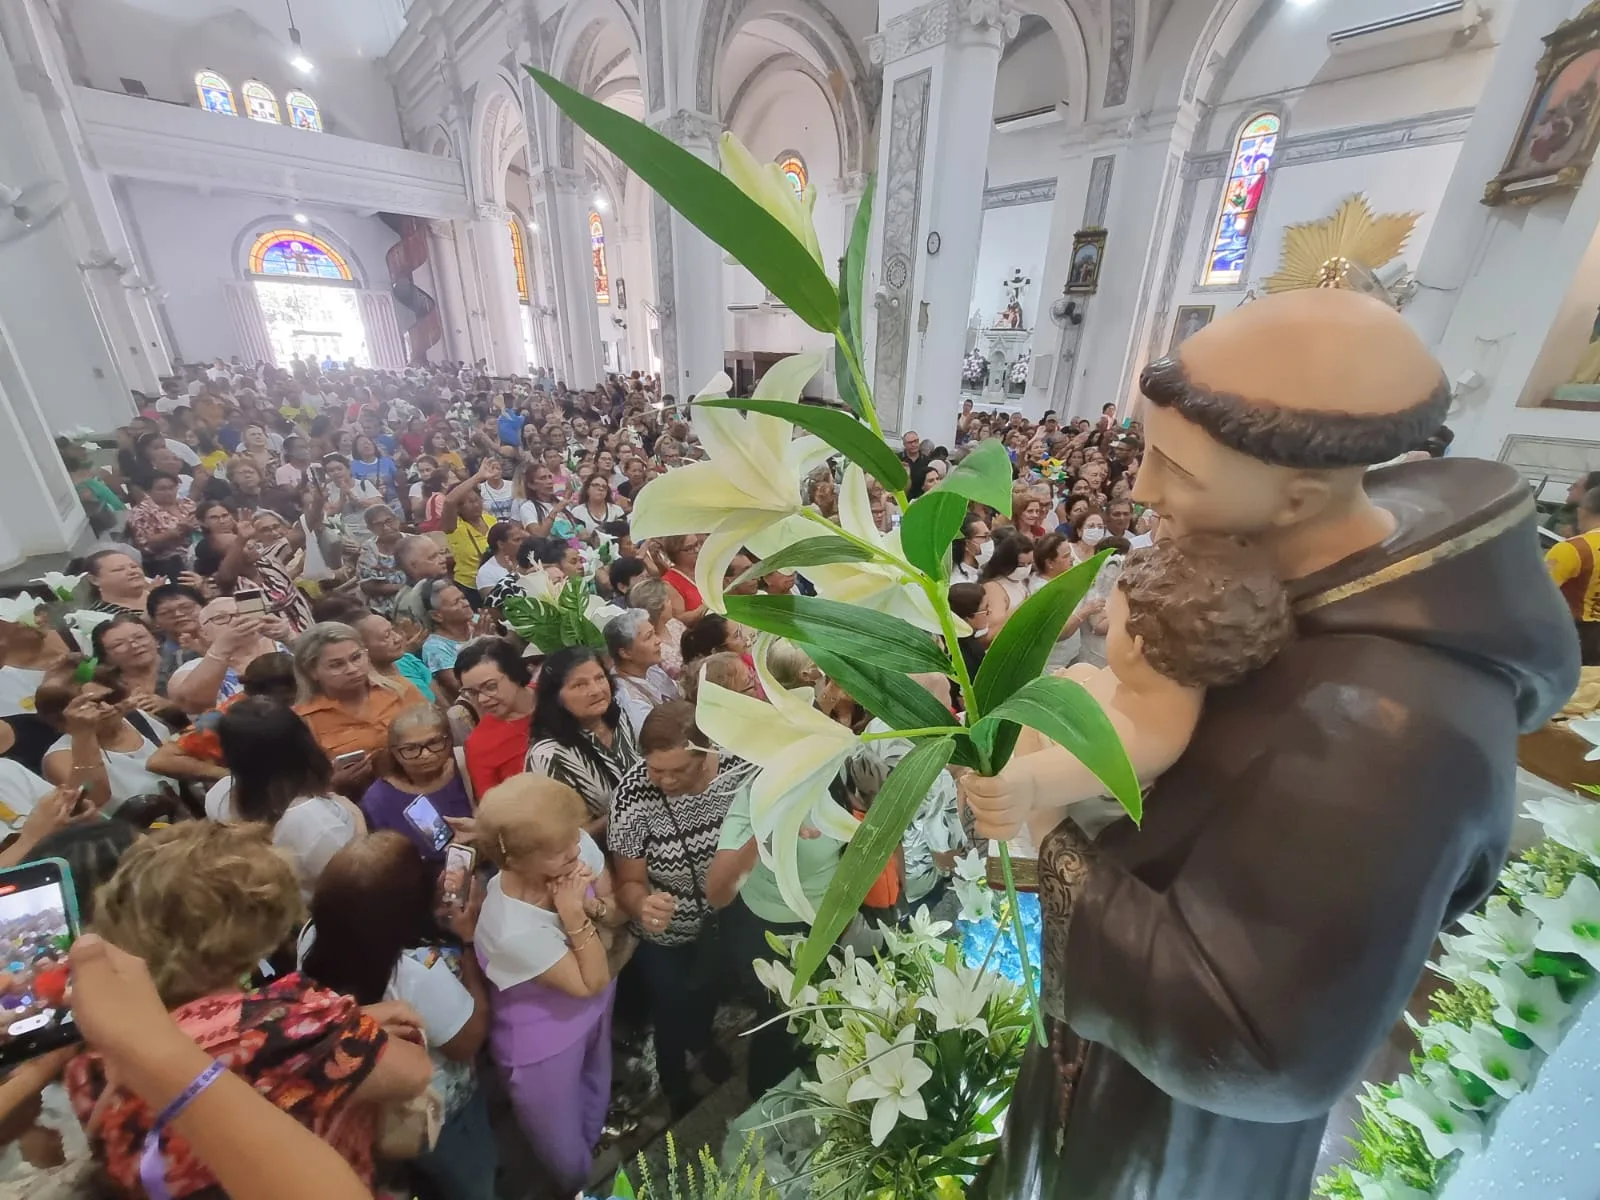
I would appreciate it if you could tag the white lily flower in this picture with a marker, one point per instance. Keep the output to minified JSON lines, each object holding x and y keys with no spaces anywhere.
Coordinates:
{"x":20,"y":610}
{"x":922,"y":930}
{"x":971,"y":883}
{"x":1390,"y":1187}
{"x":82,"y":624}
{"x":799,"y":751}
{"x":1483,"y":1051}
{"x":1441,"y":1079}
{"x":832,"y":1085}
{"x":1460,"y":960}
{"x":894,"y":1080}
{"x":1573,"y":823}
{"x":1533,"y":1007}
{"x":768,"y":186}
{"x":1444,"y":1130}
{"x":748,"y":483}
{"x":1571,"y":921}
{"x":1500,"y":934}
{"x":959,"y":999}
{"x":972,"y":867}
{"x":779,"y":980}
{"x":64,"y":586}
{"x":1589,"y":730}
{"x":862,"y":986}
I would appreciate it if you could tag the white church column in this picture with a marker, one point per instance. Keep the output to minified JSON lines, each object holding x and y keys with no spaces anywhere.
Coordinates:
{"x":564,"y":200}
{"x":939,"y":63}
{"x":39,"y":508}
{"x":490,"y":239}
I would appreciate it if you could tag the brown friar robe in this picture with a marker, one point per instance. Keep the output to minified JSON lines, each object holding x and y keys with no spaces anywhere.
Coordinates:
{"x":1220,"y":977}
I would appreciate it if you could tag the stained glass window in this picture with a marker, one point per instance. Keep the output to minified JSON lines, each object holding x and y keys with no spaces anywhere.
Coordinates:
{"x":215,"y":94}
{"x":519,"y":256}
{"x":1241,"y":200}
{"x":597,"y":241}
{"x":296,"y":254}
{"x":794,"y":168}
{"x":260,"y":104}
{"x":303,"y":112}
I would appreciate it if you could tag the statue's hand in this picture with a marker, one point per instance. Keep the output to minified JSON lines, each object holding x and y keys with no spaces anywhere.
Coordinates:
{"x":1000,"y":804}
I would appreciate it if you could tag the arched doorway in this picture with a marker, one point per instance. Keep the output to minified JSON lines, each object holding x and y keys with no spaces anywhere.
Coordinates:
{"x":309,"y":297}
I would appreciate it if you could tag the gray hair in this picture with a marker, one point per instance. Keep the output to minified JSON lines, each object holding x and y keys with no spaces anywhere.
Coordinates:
{"x":377,"y":510}
{"x":621,"y":631}
{"x":417,"y":716}
{"x":308,"y":648}
{"x":409,"y":545}
{"x":649,"y":595}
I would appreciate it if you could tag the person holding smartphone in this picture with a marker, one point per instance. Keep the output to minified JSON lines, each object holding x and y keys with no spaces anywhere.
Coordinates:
{"x":421,"y":789}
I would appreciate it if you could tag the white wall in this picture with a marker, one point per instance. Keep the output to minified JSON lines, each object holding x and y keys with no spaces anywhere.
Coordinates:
{"x":192,"y":246}
{"x":116,"y":39}
{"x":1013,"y":237}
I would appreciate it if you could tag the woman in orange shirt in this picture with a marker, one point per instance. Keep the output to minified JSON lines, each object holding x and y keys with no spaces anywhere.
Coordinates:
{"x":347,"y":704}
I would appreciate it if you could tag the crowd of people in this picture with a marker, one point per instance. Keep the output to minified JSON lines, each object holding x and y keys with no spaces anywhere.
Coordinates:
{"x":299,"y":707}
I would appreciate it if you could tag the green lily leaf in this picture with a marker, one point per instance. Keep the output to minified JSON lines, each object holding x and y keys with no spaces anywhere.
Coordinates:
{"x":869,"y":851}
{"x":893,"y":697}
{"x":930,"y":527}
{"x":983,"y":475}
{"x":849,"y":393}
{"x":1021,"y":649}
{"x":855,"y":268}
{"x":709,"y":201}
{"x":812,"y":552}
{"x":852,"y":632}
{"x":1064,"y":712}
{"x":840,"y":430}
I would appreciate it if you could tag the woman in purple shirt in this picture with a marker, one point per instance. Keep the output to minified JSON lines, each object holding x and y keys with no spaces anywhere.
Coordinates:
{"x":539,"y":940}
{"x":422,"y":787}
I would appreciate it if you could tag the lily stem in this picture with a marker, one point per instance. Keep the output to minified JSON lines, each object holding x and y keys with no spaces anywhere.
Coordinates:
{"x":930,"y":731}
{"x":1022,"y":945}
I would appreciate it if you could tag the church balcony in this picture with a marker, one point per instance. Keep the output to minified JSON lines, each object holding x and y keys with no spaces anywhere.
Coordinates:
{"x":169,"y":143}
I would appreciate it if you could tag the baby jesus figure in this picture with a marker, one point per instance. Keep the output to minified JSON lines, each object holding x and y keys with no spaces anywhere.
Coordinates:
{"x":1185,"y":615}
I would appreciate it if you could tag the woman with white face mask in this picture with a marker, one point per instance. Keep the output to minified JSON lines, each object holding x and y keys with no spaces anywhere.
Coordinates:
{"x":1088,"y":531}
{"x":1005,"y":578}
{"x":970,"y":551}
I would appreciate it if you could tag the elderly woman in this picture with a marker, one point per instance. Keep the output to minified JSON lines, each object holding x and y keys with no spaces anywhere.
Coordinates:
{"x":578,"y":734}
{"x":635,"y":649}
{"x":669,"y":814}
{"x":347,"y":704}
{"x":373,"y":936}
{"x":380,"y":578}
{"x":99,"y":749}
{"x":127,"y":644}
{"x":162,"y":524}
{"x":539,"y":942}
{"x":420,"y":790}
{"x":117,"y":583}
{"x":496,"y":681}
{"x":202,"y":904}
{"x":450,"y":626}
{"x":422,"y":559}
{"x":661,"y":603}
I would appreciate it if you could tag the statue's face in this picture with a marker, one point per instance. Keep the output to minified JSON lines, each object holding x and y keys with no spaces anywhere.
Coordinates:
{"x":1200,"y":486}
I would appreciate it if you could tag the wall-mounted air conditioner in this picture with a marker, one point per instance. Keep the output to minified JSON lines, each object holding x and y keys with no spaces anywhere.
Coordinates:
{"x":1448,"y":21}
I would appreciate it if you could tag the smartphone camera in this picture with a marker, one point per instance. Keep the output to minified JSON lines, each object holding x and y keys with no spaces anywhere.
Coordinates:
{"x":38,"y":924}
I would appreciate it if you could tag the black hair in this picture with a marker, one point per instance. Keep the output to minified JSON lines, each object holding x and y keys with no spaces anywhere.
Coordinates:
{"x":550,"y":717}
{"x":1308,"y":440}
{"x":1007,"y":551}
{"x":170,"y":591}
{"x":97,"y":639}
{"x":91,"y":852}
{"x":550,"y":551}
{"x":958,"y":547}
{"x":624,"y":571}
{"x":966,"y":599}
{"x":273,"y":758}
{"x":706,"y":636}
{"x":498,"y":651}
{"x":615,"y":529}
{"x":1590,"y":504}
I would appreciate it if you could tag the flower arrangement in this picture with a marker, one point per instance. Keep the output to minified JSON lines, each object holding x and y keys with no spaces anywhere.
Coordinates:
{"x":879,"y":595}
{"x":917,"y":1053}
{"x":701,"y":1178}
{"x":1017,"y":377}
{"x":550,"y":620}
{"x":1519,"y":975}
{"x":974,"y":370}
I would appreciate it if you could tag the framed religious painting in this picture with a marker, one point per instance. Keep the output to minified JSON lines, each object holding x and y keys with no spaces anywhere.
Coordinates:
{"x":1561,"y":125}
{"x":1192,"y":318}
{"x":1088,"y":251}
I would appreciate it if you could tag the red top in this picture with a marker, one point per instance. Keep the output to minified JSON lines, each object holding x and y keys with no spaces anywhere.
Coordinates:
{"x":685,"y":588}
{"x":496,"y":750}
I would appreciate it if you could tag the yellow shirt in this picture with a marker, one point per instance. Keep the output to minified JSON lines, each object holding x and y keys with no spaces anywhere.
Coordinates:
{"x":468,"y":545}
{"x":1567,"y":568}
{"x":213,"y":461}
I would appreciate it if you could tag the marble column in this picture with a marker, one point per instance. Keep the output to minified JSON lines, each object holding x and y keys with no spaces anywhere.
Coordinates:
{"x":563,"y":200}
{"x":490,"y":239}
{"x":689,"y":269}
{"x":940,"y":60}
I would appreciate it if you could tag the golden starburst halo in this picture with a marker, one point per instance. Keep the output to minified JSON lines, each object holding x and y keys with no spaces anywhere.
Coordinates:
{"x":1320,"y":254}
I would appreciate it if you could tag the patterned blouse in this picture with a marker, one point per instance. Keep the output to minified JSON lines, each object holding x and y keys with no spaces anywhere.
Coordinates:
{"x":375,"y":564}
{"x":594,"y":778}
{"x":147,"y":520}
{"x":305,"y":1049}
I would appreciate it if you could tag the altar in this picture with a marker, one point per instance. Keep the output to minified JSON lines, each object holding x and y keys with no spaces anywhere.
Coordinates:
{"x":996,"y":367}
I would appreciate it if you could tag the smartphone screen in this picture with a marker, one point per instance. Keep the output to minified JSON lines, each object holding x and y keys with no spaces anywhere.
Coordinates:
{"x":38,"y":923}
{"x":350,"y":759}
{"x":459,"y":863}
{"x":425,"y":819}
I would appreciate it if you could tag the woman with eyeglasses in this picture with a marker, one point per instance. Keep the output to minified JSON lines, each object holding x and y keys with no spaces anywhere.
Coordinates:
{"x":421,"y":787}
{"x":496,"y":681}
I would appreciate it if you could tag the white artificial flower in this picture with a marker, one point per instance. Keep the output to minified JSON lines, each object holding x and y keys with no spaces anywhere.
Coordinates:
{"x":922,"y":930}
{"x":972,"y":867}
{"x":832,"y":1085}
{"x":768,"y":186}
{"x":1444,"y":1130}
{"x":1571,"y":921}
{"x":959,"y":999}
{"x":894,"y":1080}
{"x":748,"y":483}
{"x":1499,"y":934}
{"x":861,"y":986}
{"x":1533,"y":1007}
{"x":82,"y":625}
{"x":779,"y":980}
{"x":1483,"y":1051}
{"x":971,"y":884}
{"x":1389,"y":1187}
{"x":20,"y":610}
{"x":799,"y":751}
{"x":1461,"y":959}
{"x":1573,"y":823}
{"x":1441,"y":1079}
{"x":1589,"y":730}
{"x":64,"y":586}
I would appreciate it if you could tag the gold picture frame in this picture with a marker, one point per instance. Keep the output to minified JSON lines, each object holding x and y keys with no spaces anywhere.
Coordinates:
{"x":1191,"y":319}
{"x":1088,"y":256}
{"x":1560,"y":128}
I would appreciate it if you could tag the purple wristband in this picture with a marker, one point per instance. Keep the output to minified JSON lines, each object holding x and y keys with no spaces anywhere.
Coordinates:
{"x":152,"y":1166}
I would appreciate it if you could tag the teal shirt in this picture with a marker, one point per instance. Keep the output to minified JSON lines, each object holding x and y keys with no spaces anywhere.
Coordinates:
{"x":414,"y":669}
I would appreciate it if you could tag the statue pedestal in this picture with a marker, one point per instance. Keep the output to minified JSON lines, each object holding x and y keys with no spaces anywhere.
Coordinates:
{"x":1003,"y":348}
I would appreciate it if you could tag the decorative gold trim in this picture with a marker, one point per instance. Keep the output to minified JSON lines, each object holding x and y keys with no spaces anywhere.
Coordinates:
{"x":1423,"y":559}
{"x":1321,"y":254}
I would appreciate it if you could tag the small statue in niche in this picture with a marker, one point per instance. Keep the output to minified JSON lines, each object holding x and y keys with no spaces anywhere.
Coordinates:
{"x":1011,"y":315}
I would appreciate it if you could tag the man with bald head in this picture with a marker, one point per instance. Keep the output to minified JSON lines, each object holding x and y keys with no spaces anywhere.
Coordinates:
{"x":1218,"y":979}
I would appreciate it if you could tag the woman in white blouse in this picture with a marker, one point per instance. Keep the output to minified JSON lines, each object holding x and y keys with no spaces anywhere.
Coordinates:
{"x":595,"y":506}
{"x":100,"y":749}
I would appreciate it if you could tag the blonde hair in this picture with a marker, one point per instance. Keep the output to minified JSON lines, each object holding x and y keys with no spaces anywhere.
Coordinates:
{"x":201,"y":903}
{"x":526,"y":814}
{"x":790,"y":665}
{"x":308,"y":649}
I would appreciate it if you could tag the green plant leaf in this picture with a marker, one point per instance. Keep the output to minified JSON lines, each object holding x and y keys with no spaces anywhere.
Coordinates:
{"x":869,"y":851}
{"x":1064,"y":712}
{"x":849,"y":393}
{"x":1022,"y":647}
{"x":812,"y":552}
{"x":840,"y":430}
{"x":855,"y":268}
{"x":929,"y":528}
{"x":983,"y":475}
{"x":709,"y":201}
{"x":855,"y":633}
{"x":893,"y":697}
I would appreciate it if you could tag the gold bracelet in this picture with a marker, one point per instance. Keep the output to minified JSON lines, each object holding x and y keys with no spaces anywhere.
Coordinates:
{"x":583,"y":937}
